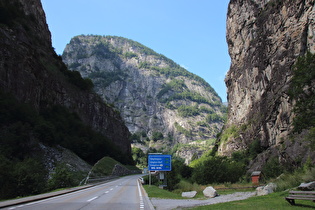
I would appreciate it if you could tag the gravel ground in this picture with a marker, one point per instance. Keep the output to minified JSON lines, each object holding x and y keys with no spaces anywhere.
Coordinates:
{"x":167,"y":204}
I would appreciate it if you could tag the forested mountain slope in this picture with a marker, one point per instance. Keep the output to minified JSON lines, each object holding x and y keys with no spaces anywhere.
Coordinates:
{"x":45,"y":106}
{"x":162,"y":103}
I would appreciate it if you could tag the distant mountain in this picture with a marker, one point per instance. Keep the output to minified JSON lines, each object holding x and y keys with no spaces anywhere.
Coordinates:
{"x":164,"y":106}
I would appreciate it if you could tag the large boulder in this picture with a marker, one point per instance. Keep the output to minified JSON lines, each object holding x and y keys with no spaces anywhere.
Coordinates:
{"x":307,"y":186}
{"x":190,"y":194}
{"x":210,"y":192}
{"x":265,"y":190}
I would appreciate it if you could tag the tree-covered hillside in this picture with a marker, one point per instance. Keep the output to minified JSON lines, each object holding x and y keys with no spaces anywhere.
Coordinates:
{"x":152,"y":92}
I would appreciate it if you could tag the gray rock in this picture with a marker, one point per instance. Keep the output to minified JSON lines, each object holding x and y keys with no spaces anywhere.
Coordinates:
{"x":190,"y":194}
{"x":260,"y":73}
{"x":210,"y":192}
{"x":307,"y":186}
{"x":265,"y":190}
{"x":143,"y":94}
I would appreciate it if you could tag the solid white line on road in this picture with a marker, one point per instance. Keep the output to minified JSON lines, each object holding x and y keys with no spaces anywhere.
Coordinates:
{"x":107,"y":192}
{"x":140,"y":195}
{"x":111,"y":188}
{"x":92,"y":199}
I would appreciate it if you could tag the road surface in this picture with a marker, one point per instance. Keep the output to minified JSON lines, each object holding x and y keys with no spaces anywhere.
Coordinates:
{"x":124,"y":193}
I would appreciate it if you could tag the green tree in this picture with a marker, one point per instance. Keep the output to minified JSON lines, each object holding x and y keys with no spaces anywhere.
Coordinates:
{"x":156,"y":135}
{"x":138,"y":156}
{"x":61,"y":178}
{"x":302,"y":90}
{"x":272,"y":168}
{"x":217,"y":170}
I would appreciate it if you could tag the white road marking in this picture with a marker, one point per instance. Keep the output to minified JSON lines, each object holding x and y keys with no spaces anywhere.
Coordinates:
{"x":92,"y":199}
{"x":140,"y":195}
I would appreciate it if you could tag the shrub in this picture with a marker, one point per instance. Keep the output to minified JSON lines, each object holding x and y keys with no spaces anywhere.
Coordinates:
{"x":292,"y":180}
{"x":156,"y":135}
{"x":302,"y":90}
{"x":154,"y":180}
{"x":231,"y":131}
{"x":217,"y":170}
{"x":61,"y":178}
{"x":272,"y":168}
{"x":188,"y":111}
{"x":254,"y":148}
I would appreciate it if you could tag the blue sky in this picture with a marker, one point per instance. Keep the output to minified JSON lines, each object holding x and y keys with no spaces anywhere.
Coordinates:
{"x":192,"y":33}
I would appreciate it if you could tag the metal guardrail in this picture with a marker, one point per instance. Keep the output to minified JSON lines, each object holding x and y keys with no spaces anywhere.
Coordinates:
{"x":98,"y":179}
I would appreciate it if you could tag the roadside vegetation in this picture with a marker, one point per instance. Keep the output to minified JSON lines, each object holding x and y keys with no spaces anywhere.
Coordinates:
{"x":285,"y":182}
{"x":24,"y":132}
{"x":271,"y":201}
{"x":228,"y":174}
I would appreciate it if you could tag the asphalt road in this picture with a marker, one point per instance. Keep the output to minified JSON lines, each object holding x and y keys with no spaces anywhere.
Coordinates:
{"x":120,"y":194}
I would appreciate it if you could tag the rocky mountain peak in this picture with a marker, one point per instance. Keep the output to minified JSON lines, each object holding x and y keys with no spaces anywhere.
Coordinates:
{"x":160,"y":101}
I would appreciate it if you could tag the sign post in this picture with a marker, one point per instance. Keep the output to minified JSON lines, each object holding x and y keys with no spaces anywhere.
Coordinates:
{"x":159,"y":162}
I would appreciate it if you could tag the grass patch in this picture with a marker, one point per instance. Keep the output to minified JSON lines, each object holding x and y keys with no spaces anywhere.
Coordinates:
{"x":231,"y":191}
{"x":184,"y":186}
{"x":292,"y":180}
{"x":228,"y":188}
{"x":271,"y":201}
{"x":104,"y":166}
{"x":156,"y":192}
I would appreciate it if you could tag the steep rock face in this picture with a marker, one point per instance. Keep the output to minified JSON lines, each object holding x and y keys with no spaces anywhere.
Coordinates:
{"x":264,"y":38}
{"x":30,"y":70}
{"x":153,"y":94}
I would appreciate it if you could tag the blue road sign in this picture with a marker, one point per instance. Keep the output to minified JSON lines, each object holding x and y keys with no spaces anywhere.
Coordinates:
{"x":160,"y":162}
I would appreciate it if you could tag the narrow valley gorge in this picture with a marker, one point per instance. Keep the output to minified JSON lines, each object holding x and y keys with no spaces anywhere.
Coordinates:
{"x":105,"y":97}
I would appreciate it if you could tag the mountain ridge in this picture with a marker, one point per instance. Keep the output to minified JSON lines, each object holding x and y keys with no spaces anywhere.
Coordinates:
{"x":153,"y":94}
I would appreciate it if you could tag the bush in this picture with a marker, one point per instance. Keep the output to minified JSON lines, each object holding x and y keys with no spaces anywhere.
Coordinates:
{"x":21,"y":177}
{"x":154,"y":180}
{"x":303,"y":92}
{"x":188,"y":111}
{"x":185,"y":186}
{"x":138,"y":156}
{"x":157,"y":136}
{"x":292,"y":180}
{"x":217,"y":170}
{"x":272,"y":168}
{"x":254,"y":148}
{"x":61,"y":178}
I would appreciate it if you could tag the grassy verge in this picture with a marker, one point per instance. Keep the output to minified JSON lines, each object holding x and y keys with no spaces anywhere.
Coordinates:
{"x":271,"y":201}
{"x":224,"y":189}
{"x":156,"y":192}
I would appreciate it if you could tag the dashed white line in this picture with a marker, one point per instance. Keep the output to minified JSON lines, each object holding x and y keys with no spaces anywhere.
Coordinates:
{"x":92,"y":199}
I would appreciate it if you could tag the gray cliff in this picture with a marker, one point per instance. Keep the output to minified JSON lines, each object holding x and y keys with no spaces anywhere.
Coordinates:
{"x":265,"y":38}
